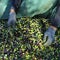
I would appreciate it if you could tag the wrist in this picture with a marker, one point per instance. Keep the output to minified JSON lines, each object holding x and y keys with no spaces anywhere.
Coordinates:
{"x":12,"y":9}
{"x":51,"y":30}
{"x":53,"y":27}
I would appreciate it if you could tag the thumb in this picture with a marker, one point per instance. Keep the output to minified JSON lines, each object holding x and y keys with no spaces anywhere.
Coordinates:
{"x":45,"y":37}
{"x":48,"y":42}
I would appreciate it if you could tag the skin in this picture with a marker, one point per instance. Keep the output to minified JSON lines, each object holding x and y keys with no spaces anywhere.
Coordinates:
{"x":12,"y":10}
{"x":53,"y":27}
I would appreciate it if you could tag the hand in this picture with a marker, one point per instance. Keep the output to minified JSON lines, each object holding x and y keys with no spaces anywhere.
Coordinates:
{"x":12,"y":19}
{"x":49,"y":36}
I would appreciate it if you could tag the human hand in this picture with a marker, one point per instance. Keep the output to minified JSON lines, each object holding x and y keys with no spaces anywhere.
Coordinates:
{"x":49,"y":36}
{"x":12,"y":19}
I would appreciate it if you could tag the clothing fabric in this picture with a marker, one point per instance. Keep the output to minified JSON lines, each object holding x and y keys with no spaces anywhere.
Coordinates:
{"x":16,"y":4}
{"x":56,"y":20}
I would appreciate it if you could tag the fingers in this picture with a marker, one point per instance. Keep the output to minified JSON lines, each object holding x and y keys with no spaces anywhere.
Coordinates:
{"x":12,"y":22}
{"x":12,"y":19}
{"x":44,"y":38}
{"x":49,"y":41}
{"x":9,"y":23}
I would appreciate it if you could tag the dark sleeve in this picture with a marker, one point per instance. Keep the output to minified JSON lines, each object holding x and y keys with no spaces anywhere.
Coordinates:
{"x":56,"y":21}
{"x":16,"y":4}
